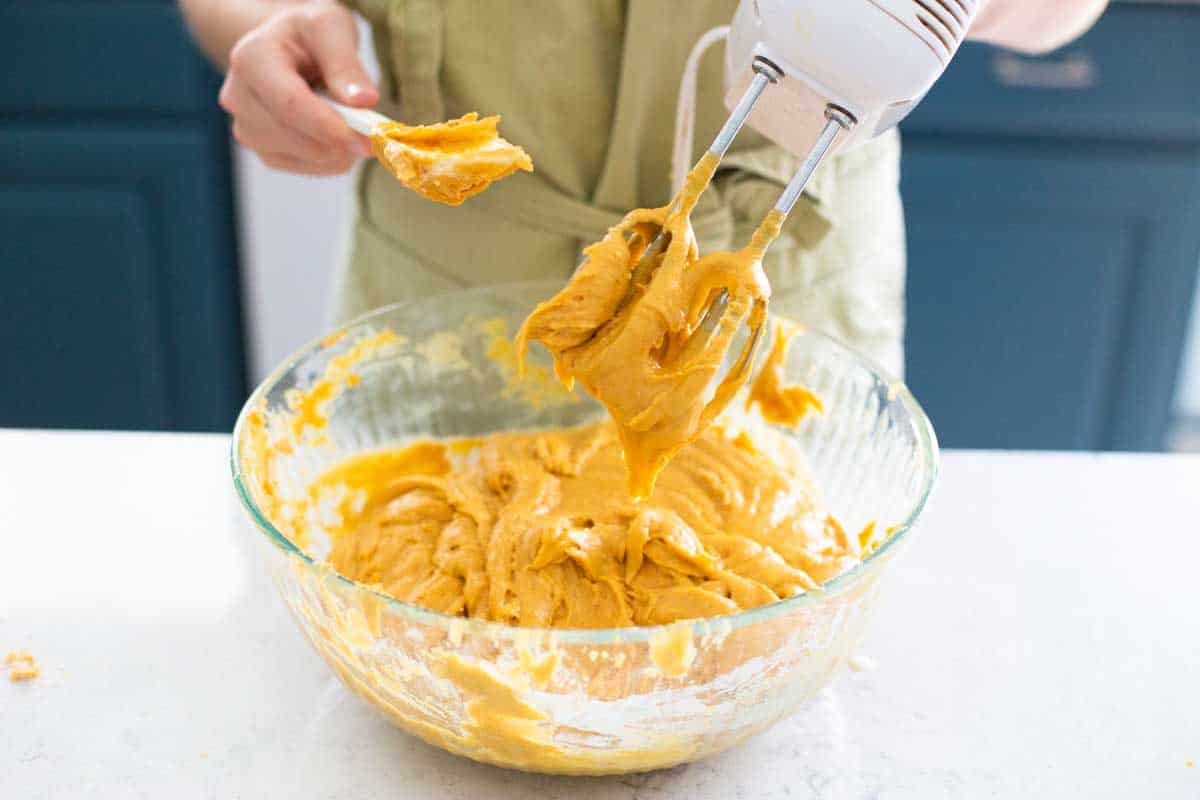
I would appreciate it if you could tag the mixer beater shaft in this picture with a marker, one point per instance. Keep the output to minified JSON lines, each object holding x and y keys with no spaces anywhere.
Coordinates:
{"x":837,"y":121}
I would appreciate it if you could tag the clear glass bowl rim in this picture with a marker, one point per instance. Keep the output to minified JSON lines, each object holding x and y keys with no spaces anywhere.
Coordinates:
{"x":926,"y":438}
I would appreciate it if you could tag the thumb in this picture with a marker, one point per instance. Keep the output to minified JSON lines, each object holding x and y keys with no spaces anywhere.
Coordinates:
{"x":331,"y":38}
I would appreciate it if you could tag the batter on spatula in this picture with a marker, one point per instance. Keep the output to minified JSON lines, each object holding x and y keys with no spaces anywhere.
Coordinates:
{"x":450,"y":161}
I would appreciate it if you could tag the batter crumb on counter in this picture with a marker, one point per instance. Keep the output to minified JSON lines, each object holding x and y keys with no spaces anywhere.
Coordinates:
{"x":21,"y":666}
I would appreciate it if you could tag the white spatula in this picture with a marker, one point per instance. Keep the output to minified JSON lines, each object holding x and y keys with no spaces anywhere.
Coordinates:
{"x":362,"y":120}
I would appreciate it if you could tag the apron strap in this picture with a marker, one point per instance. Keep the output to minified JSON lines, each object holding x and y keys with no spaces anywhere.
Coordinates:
{"x":530,"y":200}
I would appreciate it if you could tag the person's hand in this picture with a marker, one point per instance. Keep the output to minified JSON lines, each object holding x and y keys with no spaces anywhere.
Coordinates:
{"x":269,"y":89}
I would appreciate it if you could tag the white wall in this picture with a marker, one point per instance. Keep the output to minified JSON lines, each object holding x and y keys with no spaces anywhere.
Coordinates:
{"x":1187,"y":400}
{"x":292,"y":235}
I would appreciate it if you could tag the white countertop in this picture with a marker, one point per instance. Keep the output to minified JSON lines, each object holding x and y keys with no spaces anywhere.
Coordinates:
{"x":1040,"y":637}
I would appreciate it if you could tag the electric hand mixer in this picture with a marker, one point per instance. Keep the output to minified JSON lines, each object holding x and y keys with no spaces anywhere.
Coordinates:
{"x":818,"y":76}
{"x":839,"y":73}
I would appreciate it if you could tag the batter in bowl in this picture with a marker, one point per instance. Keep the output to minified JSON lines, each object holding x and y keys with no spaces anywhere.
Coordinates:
{"x":538,"y":529}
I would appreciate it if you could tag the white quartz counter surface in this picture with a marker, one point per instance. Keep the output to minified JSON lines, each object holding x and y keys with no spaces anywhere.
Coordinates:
{"x":1038,"y":638}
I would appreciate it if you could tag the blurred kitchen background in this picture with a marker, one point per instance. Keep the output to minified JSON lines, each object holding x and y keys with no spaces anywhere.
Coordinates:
{"x":151,"y":275}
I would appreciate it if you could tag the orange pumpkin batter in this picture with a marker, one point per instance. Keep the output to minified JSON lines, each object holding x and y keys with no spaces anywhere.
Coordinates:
{"x":637,"y":348}
{"x":538,"y":529}
{"x":662,"y":513}
{"x":450,"y":161}
{"x":778,"y":402}
{"x":21,"y":666}
{"x":602,"y":526}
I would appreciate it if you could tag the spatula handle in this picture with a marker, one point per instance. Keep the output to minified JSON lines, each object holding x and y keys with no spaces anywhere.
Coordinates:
{"x":362,"y":120}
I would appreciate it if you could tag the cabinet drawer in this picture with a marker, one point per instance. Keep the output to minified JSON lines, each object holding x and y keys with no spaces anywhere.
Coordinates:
{"x":99,"y":57}
{"x":1135,"y":75}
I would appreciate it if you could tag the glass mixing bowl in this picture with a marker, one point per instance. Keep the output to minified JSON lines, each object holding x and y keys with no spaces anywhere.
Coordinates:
{"x":565,"y":701}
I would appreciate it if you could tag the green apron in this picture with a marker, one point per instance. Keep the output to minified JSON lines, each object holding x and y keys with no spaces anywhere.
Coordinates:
{"x":589,"y":89}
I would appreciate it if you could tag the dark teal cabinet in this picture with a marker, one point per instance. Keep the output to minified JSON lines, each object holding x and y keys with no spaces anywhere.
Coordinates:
{"x":119,"y":301}
{"x":1053,"y":211}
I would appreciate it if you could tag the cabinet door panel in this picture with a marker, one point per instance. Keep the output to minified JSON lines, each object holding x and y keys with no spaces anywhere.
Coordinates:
{"x":117,"y":261}
{"x":73,"y":361}
{"x":1048,"y":291}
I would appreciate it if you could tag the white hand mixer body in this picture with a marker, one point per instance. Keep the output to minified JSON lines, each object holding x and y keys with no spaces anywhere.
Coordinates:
{"x":840,"y":72}
{"x":873,"y":59}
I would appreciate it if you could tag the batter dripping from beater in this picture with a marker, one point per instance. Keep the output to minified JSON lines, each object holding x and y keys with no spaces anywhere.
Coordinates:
{"x":641,"y":349}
